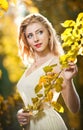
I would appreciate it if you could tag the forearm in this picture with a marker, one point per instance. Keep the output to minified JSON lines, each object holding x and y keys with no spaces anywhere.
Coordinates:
{"x":70,"y":96}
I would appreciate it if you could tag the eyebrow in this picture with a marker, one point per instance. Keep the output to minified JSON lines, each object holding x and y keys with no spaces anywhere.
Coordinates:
{"x":38,"y":29}
{"x":35,"y":31}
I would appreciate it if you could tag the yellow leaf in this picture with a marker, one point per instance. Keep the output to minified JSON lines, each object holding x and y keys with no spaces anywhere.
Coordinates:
{"x":68,"y":23}
{"x":57,"y":87}
{"x":4,"y":5}
{"x":66,"y":35}
{"x":63,"y":61}
{"x":38,"y":88}
{"x":34,"y":100}
{"x":30,"y":107}
{"x":66,"y":45}
{"x":59,"y":80}
{"x":50,"y":95}
{"x":40,"y":95}
{"x":63,"y":58}
{"x":47,"y":69}
{"x":80,"y":17}
{"x":43,"y":79}
{"x":46,"y":90}
{"x":53,"y":65}
{"x":57,"y":107}
{"x":47,"y":86}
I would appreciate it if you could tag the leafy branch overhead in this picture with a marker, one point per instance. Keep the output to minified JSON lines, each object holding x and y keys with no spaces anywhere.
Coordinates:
{"x":72,"y":40}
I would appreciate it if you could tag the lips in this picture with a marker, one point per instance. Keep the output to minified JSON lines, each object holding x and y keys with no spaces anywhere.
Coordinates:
{"x":38,"y":45}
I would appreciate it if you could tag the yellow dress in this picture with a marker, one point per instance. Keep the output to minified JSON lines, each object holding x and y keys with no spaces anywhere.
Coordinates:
{"x":49,"y":119}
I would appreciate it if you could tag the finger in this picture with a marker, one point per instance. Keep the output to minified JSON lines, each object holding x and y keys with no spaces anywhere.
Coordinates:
{"x":23,"y":114}
{"x":24,"y":121}
{"x":72,"y":66}
{"x":71,"y":63}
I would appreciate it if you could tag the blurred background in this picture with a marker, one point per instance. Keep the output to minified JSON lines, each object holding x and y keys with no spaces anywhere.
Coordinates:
{"x":11,"y":67}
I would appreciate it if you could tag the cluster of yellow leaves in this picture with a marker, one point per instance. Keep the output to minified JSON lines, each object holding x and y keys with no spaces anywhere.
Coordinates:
{"x":7,"y":103}
{"x":6,"y":46}
{"x":7,"y":108}
{"x":4,"y":5}
{"x":48,"y":83}
{"x":72,"y":40}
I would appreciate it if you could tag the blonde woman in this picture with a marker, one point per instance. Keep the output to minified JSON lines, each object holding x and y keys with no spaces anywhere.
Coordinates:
{"x":39,"y":45}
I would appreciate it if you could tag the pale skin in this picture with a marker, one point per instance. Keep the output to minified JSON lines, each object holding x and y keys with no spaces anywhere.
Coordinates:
{"x":38,"y":38}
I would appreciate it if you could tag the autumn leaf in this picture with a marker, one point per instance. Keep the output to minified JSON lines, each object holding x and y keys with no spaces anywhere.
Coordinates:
{"x":38,"y":88}
{"x":4,"y":5}
{"x":66,"y":34}
{"x":34,"y":100}
{"x":58,"y":84}
{"x":48,"y":69}
{"x":40,"y":95}
{"x":50,"y":95}
{"x":63,"y":61}
{"x":68,"y":23}
{"x":43,"y":79}
{"x":80,"y":17}
{"x":57,"y":87}
{"x":53,"y":65}
{"x":59,"y":80}
{"x":57,"y":107}
{"x":47,"y":90}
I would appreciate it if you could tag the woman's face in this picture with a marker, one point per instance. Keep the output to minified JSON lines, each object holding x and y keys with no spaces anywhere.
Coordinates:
{"x":37,"y":36}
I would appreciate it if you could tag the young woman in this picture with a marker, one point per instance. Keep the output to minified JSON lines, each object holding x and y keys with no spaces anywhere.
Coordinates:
{"x":38,"y":43}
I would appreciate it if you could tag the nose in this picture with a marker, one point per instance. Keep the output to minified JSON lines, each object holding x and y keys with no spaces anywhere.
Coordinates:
{"x":36,"y":38}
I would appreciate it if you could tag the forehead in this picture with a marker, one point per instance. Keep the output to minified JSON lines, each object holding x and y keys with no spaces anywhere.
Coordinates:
{"x":34,"y":27}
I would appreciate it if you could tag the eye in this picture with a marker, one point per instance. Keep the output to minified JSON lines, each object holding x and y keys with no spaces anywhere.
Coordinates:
{"x":40,"y":32}
{"x":30,"y":36}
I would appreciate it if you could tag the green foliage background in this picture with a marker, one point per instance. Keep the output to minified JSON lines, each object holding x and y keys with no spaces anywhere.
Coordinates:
{"x":11,"y":67}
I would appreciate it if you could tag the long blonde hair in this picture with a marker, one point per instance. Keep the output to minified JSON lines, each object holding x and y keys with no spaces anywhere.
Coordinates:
{"x":24,"y":49}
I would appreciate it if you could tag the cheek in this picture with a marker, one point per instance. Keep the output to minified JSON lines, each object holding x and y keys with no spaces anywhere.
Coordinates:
{"x":30,"y":42}
{"x":46,"y":39}
{"x":31,"y":45}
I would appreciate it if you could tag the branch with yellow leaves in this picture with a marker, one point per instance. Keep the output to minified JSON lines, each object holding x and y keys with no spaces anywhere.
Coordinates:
{"x":72,"y":40}
{"x":44,"y":90}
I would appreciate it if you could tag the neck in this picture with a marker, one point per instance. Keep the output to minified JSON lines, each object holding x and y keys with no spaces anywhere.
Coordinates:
{"x":42,"y":55}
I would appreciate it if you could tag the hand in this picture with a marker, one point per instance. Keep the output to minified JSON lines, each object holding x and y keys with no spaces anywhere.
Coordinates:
{"x":71,"y":71}
{"x":23,"y":117}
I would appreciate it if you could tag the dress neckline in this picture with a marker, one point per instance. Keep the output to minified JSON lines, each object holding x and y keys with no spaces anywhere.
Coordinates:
{"x":48,"y":61}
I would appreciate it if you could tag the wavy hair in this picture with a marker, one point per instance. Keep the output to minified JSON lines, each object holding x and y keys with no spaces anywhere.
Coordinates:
{"x":25,"y":50}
